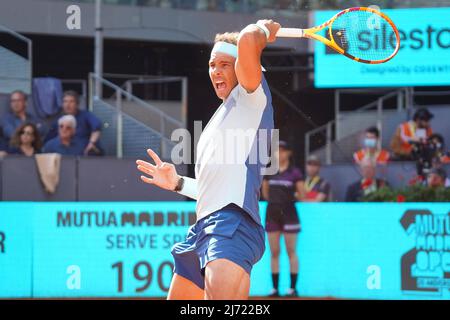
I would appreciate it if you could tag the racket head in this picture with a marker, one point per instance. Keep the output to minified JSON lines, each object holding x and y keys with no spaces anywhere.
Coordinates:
{"x":363,"y":34}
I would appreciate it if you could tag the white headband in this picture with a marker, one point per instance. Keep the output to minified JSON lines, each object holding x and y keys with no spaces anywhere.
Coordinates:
{"x":227,"y":48}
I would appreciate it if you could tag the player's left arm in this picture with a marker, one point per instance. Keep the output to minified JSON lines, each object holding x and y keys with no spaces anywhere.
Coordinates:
{"x":251,"y":42}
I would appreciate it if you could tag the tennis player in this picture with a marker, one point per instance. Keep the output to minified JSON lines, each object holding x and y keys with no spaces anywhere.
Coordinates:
{"x":215,"y":260}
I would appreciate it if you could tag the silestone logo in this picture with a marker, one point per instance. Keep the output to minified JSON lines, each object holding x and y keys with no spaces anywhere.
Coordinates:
{"x":425,"y":269}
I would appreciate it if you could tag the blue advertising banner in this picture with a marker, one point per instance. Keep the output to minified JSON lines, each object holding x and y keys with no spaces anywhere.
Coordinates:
{"x":107,"y":249}
{"x":122,"y":249}
{"x":16,"y":242}
{"x":423,"y":59}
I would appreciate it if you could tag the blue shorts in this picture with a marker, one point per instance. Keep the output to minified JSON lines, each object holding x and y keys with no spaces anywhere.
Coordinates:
{"x":229,"y":233}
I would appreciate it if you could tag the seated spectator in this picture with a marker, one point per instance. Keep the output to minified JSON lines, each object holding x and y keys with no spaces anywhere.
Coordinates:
{"x":372,"y":149}
{"x":25,"y":141}
{"x":437,"y":178}
{"x":412,"y":132}
{"x":88,"y":125}
{"x":368,"y":184}
{"x":18,"y":115}
{"x":3,"y":145}
{"x":437,"y":142}
{"x":66,"y":143}
{"x":315,"y":188}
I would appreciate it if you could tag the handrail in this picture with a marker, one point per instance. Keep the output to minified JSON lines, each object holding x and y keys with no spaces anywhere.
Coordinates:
{"x":184,"y":83}
{"x":375,"y":103}
{"x":16,"y":34}
{"x":29,"y":50}
{"x":140,"y":101}
{"x":119,"y":93}
{"x":431,"y":93}
{"x":404,"y":101}
{"x":401,"y":94}
{"x":321,"y":128}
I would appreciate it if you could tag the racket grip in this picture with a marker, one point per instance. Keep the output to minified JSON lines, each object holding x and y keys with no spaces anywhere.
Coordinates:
{"x":290,"y":33}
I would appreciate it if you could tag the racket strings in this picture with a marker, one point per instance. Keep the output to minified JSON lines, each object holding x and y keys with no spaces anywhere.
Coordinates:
{"x":364,"y":35}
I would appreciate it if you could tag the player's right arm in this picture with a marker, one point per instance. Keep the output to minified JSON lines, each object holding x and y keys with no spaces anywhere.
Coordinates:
{"x":164,"y":175}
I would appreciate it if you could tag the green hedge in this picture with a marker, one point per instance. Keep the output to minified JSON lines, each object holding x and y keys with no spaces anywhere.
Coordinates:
{"x":415,"y":193}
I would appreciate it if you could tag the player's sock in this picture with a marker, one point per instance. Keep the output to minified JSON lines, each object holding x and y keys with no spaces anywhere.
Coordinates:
{"x":275,"y":277}
{"x":293,"y":280}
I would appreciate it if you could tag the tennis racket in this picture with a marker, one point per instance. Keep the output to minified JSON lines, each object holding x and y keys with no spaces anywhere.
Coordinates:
{"x":362,"y":34}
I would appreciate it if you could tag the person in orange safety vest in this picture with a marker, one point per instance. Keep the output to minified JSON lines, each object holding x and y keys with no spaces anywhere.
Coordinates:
{"x":372,"y":149}
{"x":418,"y":130}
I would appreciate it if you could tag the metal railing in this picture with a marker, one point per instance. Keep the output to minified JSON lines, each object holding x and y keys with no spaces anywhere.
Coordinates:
{"x":119,"y":94}
{"x":28,"y":77}
{"x":129,"y":87}
{"x":403,"y":99}
{"x":332,"y":132}
{"x":323,"y":131}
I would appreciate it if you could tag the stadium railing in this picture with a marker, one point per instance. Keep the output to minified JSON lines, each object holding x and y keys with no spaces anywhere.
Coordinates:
{"x":335,"y":141}
{"x":16,"y":69}
{"x":130,"y":124}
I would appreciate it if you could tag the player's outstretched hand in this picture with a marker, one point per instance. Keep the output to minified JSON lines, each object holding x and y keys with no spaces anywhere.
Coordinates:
{"x":161,"y":174}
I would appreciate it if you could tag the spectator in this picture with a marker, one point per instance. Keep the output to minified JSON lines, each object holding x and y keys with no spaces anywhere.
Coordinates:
{"x":18,"y":115}
{"x":26,"y":140}
{"x":368,"y":184}
{"x":281,"y":215}
{"x":412,"y":132}
{"x":437,"y":142}
{"x":372,"y":149}
{"x":88,"y":125}
{"x":315,"y":188}
{"x":437,"y":178}
{"x":3,"y":145}
{"x":66,"y":143}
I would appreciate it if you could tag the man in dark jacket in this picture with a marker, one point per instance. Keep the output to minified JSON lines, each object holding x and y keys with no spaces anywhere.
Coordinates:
{"x":368,"y":184}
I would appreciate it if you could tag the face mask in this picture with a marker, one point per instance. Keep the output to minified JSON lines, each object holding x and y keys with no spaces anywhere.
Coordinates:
{"x":370,"y":143}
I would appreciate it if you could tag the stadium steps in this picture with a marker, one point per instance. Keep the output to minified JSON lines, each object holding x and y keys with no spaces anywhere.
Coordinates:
{"x":146,"y":115}
{"x":137,"y":136}
{"x":15,"y":72}
{"x":143,"y":125}
{"x":353,"y":125}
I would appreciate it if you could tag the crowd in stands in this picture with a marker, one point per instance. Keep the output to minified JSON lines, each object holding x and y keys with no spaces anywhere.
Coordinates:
{"x":77,"y":132}
{"x":73,"y":132}
{"x":413,"y":140}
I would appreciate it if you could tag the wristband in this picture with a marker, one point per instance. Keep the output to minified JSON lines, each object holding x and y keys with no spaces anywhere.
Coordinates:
{"x":263,"y":28}
{"x":179,"y":185}
{"x":189,"y":188}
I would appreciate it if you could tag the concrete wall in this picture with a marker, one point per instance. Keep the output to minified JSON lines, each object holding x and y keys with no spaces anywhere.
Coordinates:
{"x":111,"y":179}
{"x":135,"y":22}
{"x":82,"y":179}
{"x":340,"y":176}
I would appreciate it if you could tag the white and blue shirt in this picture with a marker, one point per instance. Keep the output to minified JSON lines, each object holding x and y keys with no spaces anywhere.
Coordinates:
{"x":233,"y":150}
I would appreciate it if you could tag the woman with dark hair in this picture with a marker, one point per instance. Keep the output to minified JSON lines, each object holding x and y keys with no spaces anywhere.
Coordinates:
{"x":26,"y":140}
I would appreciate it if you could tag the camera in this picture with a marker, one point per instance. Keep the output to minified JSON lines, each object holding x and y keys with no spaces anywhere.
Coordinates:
{"x":428,"y":153}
